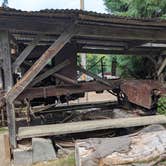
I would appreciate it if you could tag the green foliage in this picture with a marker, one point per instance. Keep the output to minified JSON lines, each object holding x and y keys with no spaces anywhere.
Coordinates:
{"x":2,"y":130}
{"x":137,"y":8}
{"x":133,"y":66}
{"x":162,"y":106}
{"x":91,"y":61}
{"x":117,"y":6}
{"x":128,"y":66}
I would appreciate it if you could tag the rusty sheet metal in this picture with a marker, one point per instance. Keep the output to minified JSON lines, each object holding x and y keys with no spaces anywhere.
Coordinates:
{"x":140,"y":91}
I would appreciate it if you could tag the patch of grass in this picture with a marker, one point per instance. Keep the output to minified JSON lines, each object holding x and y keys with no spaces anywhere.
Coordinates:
{"x":162,"y":106}
{"x":2,"y":130}
{"x":66,"y":161}
{"x":163,"y":163}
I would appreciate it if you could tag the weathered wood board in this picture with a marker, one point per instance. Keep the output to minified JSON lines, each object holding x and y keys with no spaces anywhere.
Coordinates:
{"x":83,"y":126}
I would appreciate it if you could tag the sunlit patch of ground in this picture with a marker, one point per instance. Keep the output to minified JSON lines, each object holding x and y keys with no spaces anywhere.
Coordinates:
{"x":2,"y":130}
{"x":66,"y":161}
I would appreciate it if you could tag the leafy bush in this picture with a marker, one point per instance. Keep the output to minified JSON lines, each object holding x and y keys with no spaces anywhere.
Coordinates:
{"x":162,"y":106}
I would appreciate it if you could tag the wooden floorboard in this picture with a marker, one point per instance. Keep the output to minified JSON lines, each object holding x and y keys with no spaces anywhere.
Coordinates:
{"x":83,"y":126}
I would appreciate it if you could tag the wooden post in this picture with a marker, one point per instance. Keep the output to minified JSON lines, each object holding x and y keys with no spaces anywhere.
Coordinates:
{"x":8,"y":82}
{"x":1,"y":88}
{"x":114,"y":64}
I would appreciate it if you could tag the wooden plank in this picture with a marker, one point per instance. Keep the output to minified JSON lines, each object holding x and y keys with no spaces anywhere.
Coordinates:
{"x":8,"y":82}
{"x":120,"y":21}
{"x":56,"y":26}
{"x":119,"y":33}
{"x":163,"y":65}
{"x":49,"y":72}
{"x":5,"y":157}
{"x":136,"y":51}
{"x":5,"y":51}
{"x":76,"y":107}
{"x":33,"y":24}
{"x":84,"y":126}
{"x":96,"y":77}
{"x":66,"y":79}
{"x":40,"y":63}
{"x":20,"y":59}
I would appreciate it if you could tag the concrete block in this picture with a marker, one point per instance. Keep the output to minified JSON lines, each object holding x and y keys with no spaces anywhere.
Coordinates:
{"x":5,"y":157}
{"x":43,"y":150}
{"x":22,"y":157}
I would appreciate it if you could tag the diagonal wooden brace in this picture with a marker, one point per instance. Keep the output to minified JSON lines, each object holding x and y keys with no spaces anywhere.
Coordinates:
{"x":24,"y":54}
{"x":163,"y":65}
{"x":40,"y":63}
{"x":49,"y":72}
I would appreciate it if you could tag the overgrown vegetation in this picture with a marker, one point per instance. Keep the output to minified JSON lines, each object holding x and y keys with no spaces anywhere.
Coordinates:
{"x":162,"y":106}
{"x":137,"y":8}
{"x":137,"y":66}
{"x":2,"y":130}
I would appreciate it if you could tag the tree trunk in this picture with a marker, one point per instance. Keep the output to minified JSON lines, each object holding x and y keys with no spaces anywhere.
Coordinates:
{"x":143,"y":148}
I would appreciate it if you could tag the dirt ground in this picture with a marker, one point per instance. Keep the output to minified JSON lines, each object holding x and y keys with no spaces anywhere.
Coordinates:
{"x":95,"y":97}
{"x":66,"y":161}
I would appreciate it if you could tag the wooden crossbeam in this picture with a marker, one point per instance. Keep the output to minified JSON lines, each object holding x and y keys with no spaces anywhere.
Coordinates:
{"x":96,"y":77}
{"x":40,"y":92}
{"x":76,"y":127}
{"x":40,"y":63}
{"x":49,"y":72}
{"x":20,"y":59}
{"x":66,"y":79}
{"x":136,"y":51}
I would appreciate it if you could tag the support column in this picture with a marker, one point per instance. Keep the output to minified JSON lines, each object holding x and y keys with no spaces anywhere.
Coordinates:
{"x":114,"y":65}
{"x":8,"y":83}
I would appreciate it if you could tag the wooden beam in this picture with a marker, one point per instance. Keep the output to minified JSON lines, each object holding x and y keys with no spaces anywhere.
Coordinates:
{"x":20,"y":59}
{"x":33,"y":24}
{"x":96,"y":77}
{"x":41,"y":92}
{"x":76,"y":107}
{"x":163,"y":65}
{"x":108,"y":43}
{"x":56,"y":26}
{"x":136,"y":51}
{"x":49,"y":72}
{"x":40,"y":63}
{"x":66,"y":79}
{"x":120,"y":33}
{"x":77,"y":127}
{"x":8,"y":82}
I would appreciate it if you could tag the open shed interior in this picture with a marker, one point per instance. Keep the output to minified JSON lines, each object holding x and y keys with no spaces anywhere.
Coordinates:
{"x":39,"y":63}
